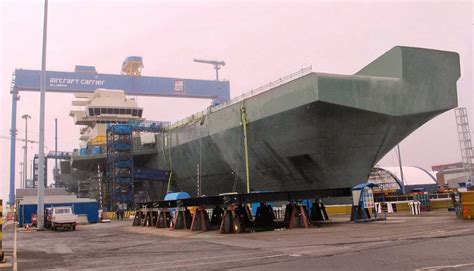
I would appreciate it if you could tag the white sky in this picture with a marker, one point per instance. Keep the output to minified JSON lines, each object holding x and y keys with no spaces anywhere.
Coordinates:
{"x":259,"y":41}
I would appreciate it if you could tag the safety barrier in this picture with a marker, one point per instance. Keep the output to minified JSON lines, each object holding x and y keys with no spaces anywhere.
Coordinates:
{"x":113,"y":215}
{"x":2,"y":258}
{"x":279,"y":212}
{"x":386,"y":207}
{"x":415,"y":207}
{"x":424,"y":200}
{"x":409,"y":197}
{"x":339,"y":209}
{"x":441,"y":203}
{"x":397,"y":206}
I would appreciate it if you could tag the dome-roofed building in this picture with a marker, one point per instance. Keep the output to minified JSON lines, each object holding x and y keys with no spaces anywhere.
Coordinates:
{"x":415,"y":178}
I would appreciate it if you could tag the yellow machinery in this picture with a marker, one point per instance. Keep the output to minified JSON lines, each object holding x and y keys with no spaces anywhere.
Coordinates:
{"x":465,"y":204}
{"x":98,"y":140}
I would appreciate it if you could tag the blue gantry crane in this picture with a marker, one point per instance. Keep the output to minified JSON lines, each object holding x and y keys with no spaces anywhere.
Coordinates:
{"x":86,"y":79}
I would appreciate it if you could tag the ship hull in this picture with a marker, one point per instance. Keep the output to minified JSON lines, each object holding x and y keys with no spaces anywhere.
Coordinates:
{"x":315,"y":146}
{"x":320,"y":131}
{"x":317,"y":131}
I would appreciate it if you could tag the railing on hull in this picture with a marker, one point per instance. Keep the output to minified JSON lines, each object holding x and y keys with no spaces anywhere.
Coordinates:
{"x":264,"y":88}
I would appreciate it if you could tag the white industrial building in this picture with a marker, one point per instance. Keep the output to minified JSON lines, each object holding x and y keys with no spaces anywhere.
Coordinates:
{"x":414,"y":178}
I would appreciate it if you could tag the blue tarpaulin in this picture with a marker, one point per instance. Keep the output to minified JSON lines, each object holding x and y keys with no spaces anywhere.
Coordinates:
{"x":177,"y":195}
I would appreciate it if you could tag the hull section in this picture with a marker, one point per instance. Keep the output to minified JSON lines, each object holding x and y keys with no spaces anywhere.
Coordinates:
{"x":319,"y":131}
{"x":316,"y":132}
{"x":315,"y":146}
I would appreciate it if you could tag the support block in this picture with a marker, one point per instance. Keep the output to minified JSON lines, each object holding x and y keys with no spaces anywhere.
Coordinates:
{"x":183,"y":219}
{"x":298,"y":217}
{"x":264,"y":216}
{"x":217,"y":214}
{"x":164,"y":219}
{"x":318,"y":212}
{"x":231,"y":221}
{"x":200,"y":220}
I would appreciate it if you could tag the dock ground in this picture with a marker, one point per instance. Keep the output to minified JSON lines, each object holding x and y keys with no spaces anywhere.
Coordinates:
{"x":435,"y":240}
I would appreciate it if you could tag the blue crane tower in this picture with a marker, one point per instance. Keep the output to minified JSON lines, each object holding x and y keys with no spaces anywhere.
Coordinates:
{"x":85,"y":79}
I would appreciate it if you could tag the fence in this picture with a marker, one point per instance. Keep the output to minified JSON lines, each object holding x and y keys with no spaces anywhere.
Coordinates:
{"x":409,"y":197}
{"x":1,"y":231}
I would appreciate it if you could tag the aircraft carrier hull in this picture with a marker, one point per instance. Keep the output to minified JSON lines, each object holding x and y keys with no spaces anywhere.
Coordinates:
{"x":318,"y":131}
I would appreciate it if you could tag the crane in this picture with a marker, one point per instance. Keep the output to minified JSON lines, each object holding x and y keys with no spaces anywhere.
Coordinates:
{"x":217,"y":65}
{"x":85,"y":79}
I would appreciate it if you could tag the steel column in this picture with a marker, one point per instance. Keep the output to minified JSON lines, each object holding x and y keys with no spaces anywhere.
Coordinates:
{"x":41,"y":167}
{"x":11,"y":198}
{"x":56,"y":142}
{"x":25,"y":154}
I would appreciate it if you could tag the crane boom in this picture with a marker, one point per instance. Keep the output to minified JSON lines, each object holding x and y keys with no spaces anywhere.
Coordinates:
{"x":212,"y":62}
{"x":217,"y":65}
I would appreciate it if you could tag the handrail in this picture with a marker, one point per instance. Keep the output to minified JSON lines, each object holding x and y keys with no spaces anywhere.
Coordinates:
{"x":396,"y":197}
{"x":197,"y":116}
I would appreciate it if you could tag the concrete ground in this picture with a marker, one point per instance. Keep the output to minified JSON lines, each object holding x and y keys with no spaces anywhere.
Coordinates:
{"x":433,"y":241}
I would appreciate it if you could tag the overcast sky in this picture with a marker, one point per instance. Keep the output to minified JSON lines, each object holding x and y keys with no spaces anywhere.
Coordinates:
{"x":259,"y":41}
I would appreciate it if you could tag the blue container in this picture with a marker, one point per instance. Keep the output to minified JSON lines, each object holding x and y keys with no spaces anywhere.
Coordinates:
{"x":83,"y":151}
{"x":121,"y":129}
{"x":120,"y":146}
{"x":96,"y":150}
{"x":123,"y":164}
{"x":91,"y":209}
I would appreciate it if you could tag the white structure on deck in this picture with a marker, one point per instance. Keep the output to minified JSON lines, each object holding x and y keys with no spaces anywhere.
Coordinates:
{"x":100,"y":108}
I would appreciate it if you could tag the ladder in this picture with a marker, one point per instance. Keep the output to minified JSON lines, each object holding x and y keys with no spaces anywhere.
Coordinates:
{"x":465,"y":143}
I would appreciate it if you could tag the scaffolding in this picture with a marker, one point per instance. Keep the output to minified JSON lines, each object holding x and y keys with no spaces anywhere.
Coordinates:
{"x":88,"y":187}
{"x":121,"y":172}
{"x":119,"y":166}
{"x":465,"y":143}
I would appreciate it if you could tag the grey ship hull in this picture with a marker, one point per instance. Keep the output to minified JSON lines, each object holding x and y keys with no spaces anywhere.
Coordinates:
{"x":316,"y":132}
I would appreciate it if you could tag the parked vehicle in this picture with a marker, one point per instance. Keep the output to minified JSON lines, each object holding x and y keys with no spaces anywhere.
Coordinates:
{"x":60,"y":217}
{"x":34,"y":220}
